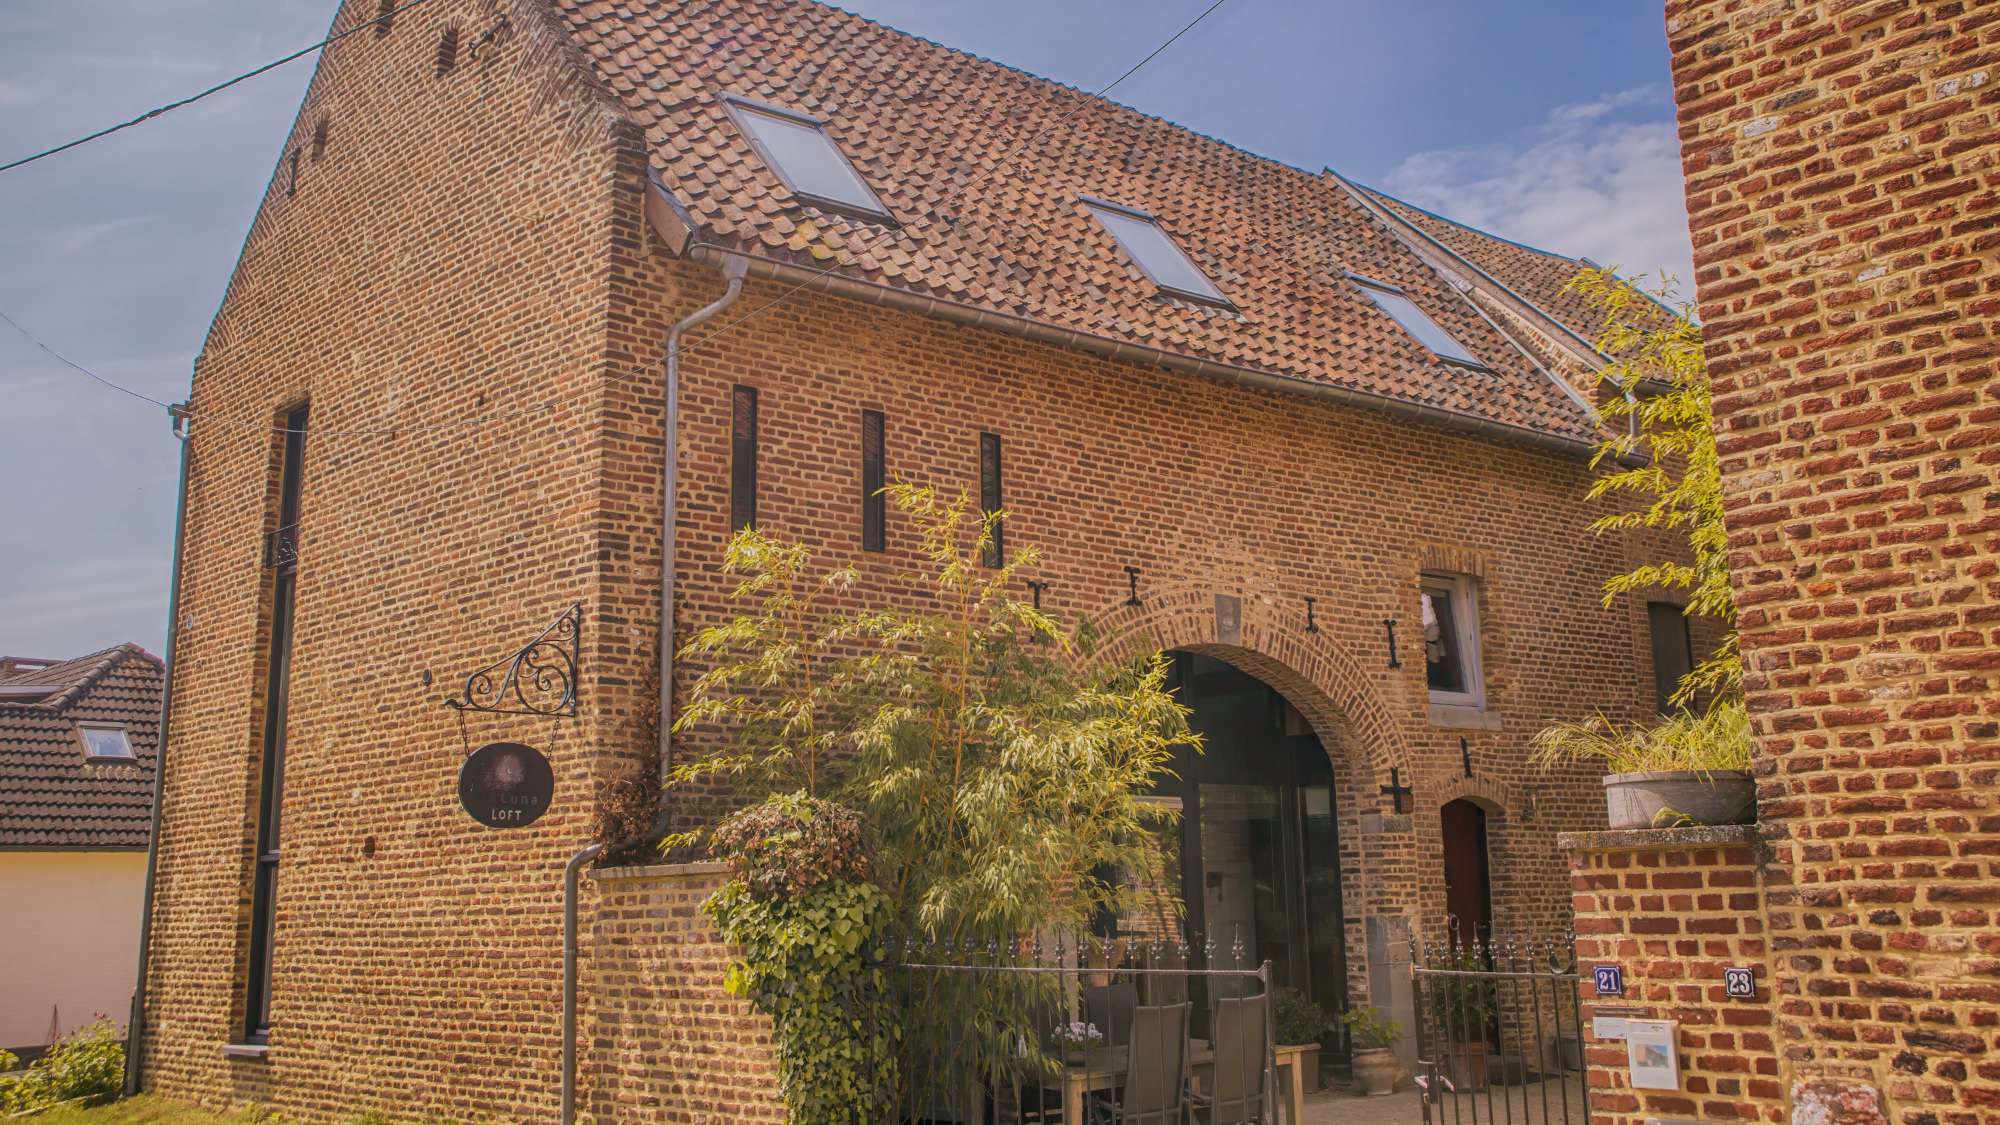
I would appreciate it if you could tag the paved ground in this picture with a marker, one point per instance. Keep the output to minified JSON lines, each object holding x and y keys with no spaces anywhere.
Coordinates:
{"x":1518,"y":1105}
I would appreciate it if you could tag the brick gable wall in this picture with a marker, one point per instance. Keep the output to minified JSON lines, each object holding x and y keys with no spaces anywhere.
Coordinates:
{"x":1841,"y":192}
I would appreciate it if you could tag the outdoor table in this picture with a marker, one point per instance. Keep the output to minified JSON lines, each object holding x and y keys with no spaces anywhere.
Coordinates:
{"x":1102,"y":1068}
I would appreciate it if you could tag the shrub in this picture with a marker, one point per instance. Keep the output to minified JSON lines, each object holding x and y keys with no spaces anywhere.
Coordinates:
{"x":90,"y":1063}
{"x":792,"y":843}
{"x":1716,"y":739}
{"x":1299,"y":1020}
{"x":1371,"y":1029}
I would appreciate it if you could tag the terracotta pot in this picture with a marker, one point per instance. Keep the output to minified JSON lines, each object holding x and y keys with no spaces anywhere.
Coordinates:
{"x":1709,"y":796}
{"x":1467,"y":1066}
{"x":1375,"y":1070}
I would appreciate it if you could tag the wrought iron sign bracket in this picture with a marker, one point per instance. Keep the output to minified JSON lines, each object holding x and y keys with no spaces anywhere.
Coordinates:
{"x":540,"y":679}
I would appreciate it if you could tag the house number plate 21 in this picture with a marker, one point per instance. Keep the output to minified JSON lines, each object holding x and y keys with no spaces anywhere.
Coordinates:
{"x":506,"y":785}
{"x":1610,"y":980}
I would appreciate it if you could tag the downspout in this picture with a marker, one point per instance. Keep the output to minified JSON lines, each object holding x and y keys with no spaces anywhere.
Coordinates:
{"x":135,"y":1033}
{"x":570,"y":872}
{"x":734,"y":269}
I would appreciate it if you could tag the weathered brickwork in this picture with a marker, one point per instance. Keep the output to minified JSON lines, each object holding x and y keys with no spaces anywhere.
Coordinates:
{"x":1673,"y":908}
{"x":666,"y":1043}
{"x":1841,"y":191}
{"x":466,"y":261}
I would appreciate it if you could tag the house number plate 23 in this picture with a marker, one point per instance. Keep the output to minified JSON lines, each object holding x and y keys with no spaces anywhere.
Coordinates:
{"x":506,"y":785}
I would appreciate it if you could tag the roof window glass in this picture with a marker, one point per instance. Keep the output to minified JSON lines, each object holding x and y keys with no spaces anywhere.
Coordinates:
{"x":1164,"y":262}
{"x":1415,"y":321}
{"x":101,"y":743}
{"x":797,"y":148}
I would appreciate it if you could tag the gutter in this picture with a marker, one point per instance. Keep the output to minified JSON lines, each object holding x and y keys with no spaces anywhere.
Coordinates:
{"x":733,"y":270}
{"x":875,"y":293}
{"x":570,"y":871}
{"x":135,"y":1029}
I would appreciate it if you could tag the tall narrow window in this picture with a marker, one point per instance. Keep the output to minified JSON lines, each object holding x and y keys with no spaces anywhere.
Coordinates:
{"x":281,"y":554}
{"x":1451,"y":641}
{"x":1673,"y":652}
{"x":989,"y":496}
{"x":743,"y":459}
{"x":874,"y":505}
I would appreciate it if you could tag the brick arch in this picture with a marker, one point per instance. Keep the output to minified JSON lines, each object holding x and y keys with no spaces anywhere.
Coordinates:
{"x":1313,"y":672}
{"x":1488,"y":793}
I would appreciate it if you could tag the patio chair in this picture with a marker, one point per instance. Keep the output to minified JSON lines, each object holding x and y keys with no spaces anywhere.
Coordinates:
{"x":1155,"y":1091}
{"x":1237,"y":1093}
{"x":1109,"y":1007}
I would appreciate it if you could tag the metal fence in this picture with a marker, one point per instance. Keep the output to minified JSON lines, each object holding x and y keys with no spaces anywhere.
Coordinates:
{"x":1090,"y":1033}
{"x":1499,"y":1028}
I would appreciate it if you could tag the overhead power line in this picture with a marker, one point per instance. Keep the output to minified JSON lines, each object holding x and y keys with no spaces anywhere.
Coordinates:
{"x":169,"y":108}
{"x":1083,"y":101}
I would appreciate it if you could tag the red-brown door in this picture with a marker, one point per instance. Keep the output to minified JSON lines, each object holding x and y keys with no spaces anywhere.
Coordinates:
{"x":1465,"y":892}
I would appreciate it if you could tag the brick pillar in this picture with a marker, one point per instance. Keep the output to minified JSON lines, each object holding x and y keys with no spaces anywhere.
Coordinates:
{"x":1672,"y":908}
{"x":1840,"y":160}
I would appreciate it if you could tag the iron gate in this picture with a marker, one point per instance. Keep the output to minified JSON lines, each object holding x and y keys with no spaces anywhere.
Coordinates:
{"x":1499,"y":1028}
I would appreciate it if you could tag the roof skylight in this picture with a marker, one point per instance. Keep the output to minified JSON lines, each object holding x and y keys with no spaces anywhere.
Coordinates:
{"x":1164,"y":262}
{"x":104,"y":742}
{"x":1415,"y":321}
{"x":797,"y":148}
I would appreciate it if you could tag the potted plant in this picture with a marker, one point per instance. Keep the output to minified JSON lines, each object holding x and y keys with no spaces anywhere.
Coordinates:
{"x":1374,"y":1053}
{"x":1300,"y":1023}
{"x":1461,"y":1009}
{"x":1075,"y":1039}
{"x":1688,"y":769}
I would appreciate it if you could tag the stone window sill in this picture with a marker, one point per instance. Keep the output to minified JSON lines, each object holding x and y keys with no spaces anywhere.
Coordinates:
{"x":1464,"y":718}
{"x":259,"y":1051}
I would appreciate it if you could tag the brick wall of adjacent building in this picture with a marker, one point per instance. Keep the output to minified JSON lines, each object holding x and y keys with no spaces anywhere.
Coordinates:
{"x":665,"y":1043}
{"x":1841,"y":192}
{"x":1672,"y":908}
{"x":469,"y":247}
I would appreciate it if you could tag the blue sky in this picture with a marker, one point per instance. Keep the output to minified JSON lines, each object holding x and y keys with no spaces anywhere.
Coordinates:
{"x":1550,"y":123}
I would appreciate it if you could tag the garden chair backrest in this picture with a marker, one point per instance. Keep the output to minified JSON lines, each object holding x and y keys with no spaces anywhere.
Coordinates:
{"x":1239,"y":1044}
{"x":1109,"y":1007}
{"x":1156,"y":1073}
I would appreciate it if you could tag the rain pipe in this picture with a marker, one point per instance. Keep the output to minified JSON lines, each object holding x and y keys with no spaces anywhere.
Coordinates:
{"x":570,"y":872}
{"x":135,"y":1030}
{"x":733,"y":270}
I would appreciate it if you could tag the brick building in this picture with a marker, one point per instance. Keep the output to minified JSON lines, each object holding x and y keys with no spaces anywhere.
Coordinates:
{"x":1841,"y":190}
{"x":1262,"y":417}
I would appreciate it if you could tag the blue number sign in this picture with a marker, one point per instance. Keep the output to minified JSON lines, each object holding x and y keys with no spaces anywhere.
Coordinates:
{"x":1610,"y":980}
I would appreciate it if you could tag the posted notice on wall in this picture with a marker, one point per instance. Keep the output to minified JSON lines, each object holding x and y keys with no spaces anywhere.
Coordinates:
{"x":1650,"y":1049}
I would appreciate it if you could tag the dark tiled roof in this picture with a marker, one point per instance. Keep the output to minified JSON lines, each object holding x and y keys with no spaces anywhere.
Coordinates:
{"x":49,"y":796}
{"x":1539,"y":276}
{"x":931,"y":130}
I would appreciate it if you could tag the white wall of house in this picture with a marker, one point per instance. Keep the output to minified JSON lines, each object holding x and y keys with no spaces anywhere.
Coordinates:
{"x":69,"y":939}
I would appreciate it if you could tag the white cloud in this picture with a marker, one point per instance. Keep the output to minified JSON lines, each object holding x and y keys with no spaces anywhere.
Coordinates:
{"x":1598,"y":179}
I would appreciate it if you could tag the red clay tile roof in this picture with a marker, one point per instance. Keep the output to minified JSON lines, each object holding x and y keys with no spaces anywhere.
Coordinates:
{"x":1537,"y":275}
{"x":49,"y":796}
{"x":931,"y":129}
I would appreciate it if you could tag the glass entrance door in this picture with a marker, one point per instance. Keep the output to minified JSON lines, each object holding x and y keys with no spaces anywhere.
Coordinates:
{"x":1260,"y":855}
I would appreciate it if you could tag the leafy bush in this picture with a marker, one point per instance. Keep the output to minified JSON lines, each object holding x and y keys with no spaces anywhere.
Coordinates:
{"x":88,"y":1064}
{"x":1299,"y":1020}
{"x":1371,"y":1029}
{"x":792,"y":843}
{"x":8,"y":1060}
{"x":1462,"y":1006}
{"x":1716,"y":739}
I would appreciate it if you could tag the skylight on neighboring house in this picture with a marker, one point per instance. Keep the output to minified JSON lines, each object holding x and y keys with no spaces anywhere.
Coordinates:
{"x":1169,"y":267}
{"x":104,"y":742}
{"x":1391,"y":299}
{"x":796,"y":147}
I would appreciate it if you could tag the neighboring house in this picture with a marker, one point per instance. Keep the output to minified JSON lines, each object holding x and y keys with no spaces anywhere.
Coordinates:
{"x":77,"y":751}
{"x":1254,"y":415}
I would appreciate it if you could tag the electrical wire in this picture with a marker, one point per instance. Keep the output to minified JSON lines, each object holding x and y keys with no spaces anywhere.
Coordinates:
{"x":152,"y":113}
{"x":1084,"y":101}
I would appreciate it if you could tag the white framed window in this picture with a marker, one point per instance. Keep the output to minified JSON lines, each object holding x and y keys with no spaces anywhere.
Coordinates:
{"x":104,"y":742}
{"x":795,"y":146}
{"x":1392,"y":300}
{"x":1451,"y":641}
{"x":1154,"y":251}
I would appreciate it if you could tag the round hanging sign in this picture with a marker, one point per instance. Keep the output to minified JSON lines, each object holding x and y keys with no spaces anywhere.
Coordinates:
{"x":506,"y":785}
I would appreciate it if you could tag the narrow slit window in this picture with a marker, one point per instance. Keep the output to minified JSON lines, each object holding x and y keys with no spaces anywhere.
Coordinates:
{"x":1673,"y":652}
{"x":797,"y":148}
{"x":1162,"y":260}
{"x":989,"y":497}
{"x":1415,"y":321}
{"x":743,"y":459}
{"x":874,"y":505}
